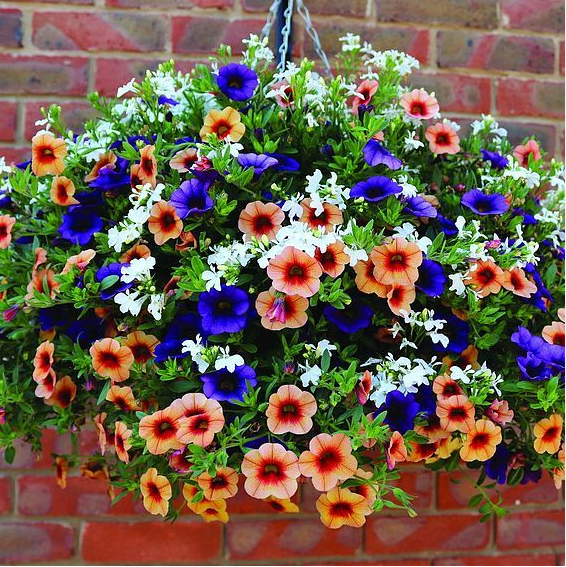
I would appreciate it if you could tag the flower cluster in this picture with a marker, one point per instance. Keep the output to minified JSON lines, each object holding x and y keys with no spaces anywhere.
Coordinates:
{"x":268,"y":276}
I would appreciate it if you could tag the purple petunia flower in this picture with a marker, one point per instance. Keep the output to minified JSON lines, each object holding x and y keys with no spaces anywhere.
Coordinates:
{"x":79,"y":225}
{"x":420,"y":207}
{"x":496,"y":467}
{"x":260,"y":162}
{"x":497,"y":160}
{"x":401,"y":411}
{"x":355,"y":317}
{"x":226,"y":386}
{"x":483,"y":204}
{"x":182,"y":327}
{"x":223,"y":311}
{"x":375,"y":154}
{"x":375,"y":188}
{"x":113,"y":269}
{"x":115,"y":177}
{"x":456,"y":330}
{"x":191,"y":198}
{"x":447,"y":226}
{"x":284,"y":163}
{"x":431,"y":278}
{"x":166,"y":100}
{"x":236,"y":81}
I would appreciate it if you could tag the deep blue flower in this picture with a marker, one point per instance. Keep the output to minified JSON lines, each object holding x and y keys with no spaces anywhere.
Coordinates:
{"x":375,"y":154}
{"x":447,"y":226}
{"x":497,"y":160}
{"x":528,"y":219}
{"x":192,"y":198}
{"x":419,"y":207}
{"x":354,"y":317}
{"x":533,"y":368}
{"x":115,"y":178}
{"x":113,"y":269}
{"x":186,"y":140}
{"x":401,"y":411}
{"x":457,"y":332}
{"x":166,"y":100}
{"x":90,"y":198}
{"x":223,"y":311}
{"x":284,"y":163}
{"x":483,"y":204}
{"x":526,"y":340}
{"x":227,"y":386}
{"x":182,"y":327}
{"x":51,"y":317}
{"x":426,"y":399}
{"x":431,"y":278}
{"x":496,"y":467}
{"x":260,"y":162}
{"x":531,"y":475}
{"x":23,"y":165}
{"x":237,"y":82}
{"x":86,"y":330}
{"x":79,"y":225}
{"x":542,"y":293}
{"x":375,"y":188}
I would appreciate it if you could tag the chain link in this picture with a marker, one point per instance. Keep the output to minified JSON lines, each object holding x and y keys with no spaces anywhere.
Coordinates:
{"x":271,"y":16}
{"x":309,"y":28}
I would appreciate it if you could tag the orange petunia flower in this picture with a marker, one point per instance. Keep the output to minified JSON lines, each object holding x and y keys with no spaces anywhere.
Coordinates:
{"x":203,"y":418}
{"x":295,"y":273}
{"x":62,"y":191}
{"x":363,"y":387}
{"x":260,"y":219}
{"x":468,"y":357}
{"x":548,"y":434}
{"x":499,"y":412}
{"x":110,"y":360}
{"x":447,"y":446}
{"x":282,"y":505}
{"x":421,"y":451}
{"x":101,"y":432}
{"x":43,"y":281}
{"x":105,"y":160}
{"x":558,"y":473}
{"x":136,"y":251}
{"x":147,"y":171}
{"x":330,"y":216}
{"x":187,"y":241}
{"x":290,"y":410}
{"x":481,"y":441}
{"x":209,"y":510}
{"x":156,"y":492}
{"x":223,"y":123}
{"x":6,"y":224}
{"x":43,"y":360}
{"x":64,"y":393}
{"x":517,"y":282}
{"x":442,"y":139}
{"x":270,"y":470}
{"x":485,"y":278}
{"x":445,"y":387}
{"x":40,"y":258}
{"x":47,"y":154}
{"x":396,"y":452}
{"x":400,"y":297}
{"x":554,"y":334}
{"x":364,"y":93}
{"x":160,"y":431}
{"x":456,"y":413}
{"x":419,"y":104}
{"x":397,"y":262}
{"x":432,"y":429}
{"x":183,"y":161}
{"x":164,"y":222}
{"x":221,"y":486}
{"x":80,"y":260}
{"x":329,"y":460}
{"x":365,"y":278}
{"x":61,"y":470}
{"x":280,"y":311}
{"x":341,"y":507}
{"x":123,"y":397}
{"x":141,"y":345}
{"x":333,"y":260}
{"x":46,"y":385}
{"x":522,"y":153}
{"x":367,"y":489}
{"x":121,"y":441}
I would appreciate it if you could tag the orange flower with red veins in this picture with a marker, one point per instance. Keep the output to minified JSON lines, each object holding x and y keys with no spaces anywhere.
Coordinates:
{"x":136,"y":251}
{"x":499,"y":412}
{"x":333,"y":260}
{"x":442,"y":139}
{"x":41,"y":281}
{"x":341,"y":507}
{"x":364,"y":93}
{"x":98,"y":421}
{"x":47,"y":154}
{"x":63,"y":394}
{"x":290,"y":410}
{"x":485,"y":278}
{"x":282,"y":505}
{"x":62,"y":191}
{"x":554,"y":334}
{"x":46,"y":385}
{"x":201,"y":427}
{"x":400,"y":298}
{"x":445,"y":387}
{"x":548,"y":434}
{"x":421,"y":451}
{"x":123,"y":397}
{"x":432,"y":429}
{"x":160,"y":431}
{"x":396,"y":452}
{"x":141,"y":345}
{"x":183,"y":161}
{"x":517,"y":282}
{"x":156,"y":492}
{"x":223,"y":123}
{"x":397,"y":262}
{"x":295,"y":273}
{"x":419,"y":104}
{"x":481,"y":441}
{"x":280,"y":311}
{"x":147,"y":171}
{"x":80,"y":260}
{"x":522,"y":153}
{"x":270,"y":470}
{"x":221,"y":486}
{"x":261,"y":219}
{"x":456,"y":413}
{"x":468,"y":357}
{"x":164,"y":222}
{"x":329,"y":460}
{"x":329,"y":217}
{"x":367,"y":489}
{"x":121,"y":441}
{"x":209,"y":510}
{"x":365,"y":278}
{"x":43,"y":360}
{"x":61,"y":470}
{"x":6,"y":224}
{"x":105,"y":160}
{"x":110,"y":360}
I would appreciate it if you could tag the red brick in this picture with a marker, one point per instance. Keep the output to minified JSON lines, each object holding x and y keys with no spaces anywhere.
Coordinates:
{"x":534,"y":15}
{"x":380,"y":562}
{"x":389,"y":535}
{"x":242,"y":503}
{"x":76,"y":2}
{"x":518,"y":131}
{"x":8,"y":121}
{"x":527,"y":559}
{"x":36,"y":74}
{"x":23,"y":542}
{"x":494,"y":52}
{"x":561,"y":55}
{"x":516,"y":97}
{"x":179,"y":4}
{"x":327,"y":7}
{"x":74,"y":115}
{"x":10,"y":28}
{"x":5,"y":495}
{"x":13,"y":156}
{"x":530,"y":529}
{"x":113,"y":73}
{"x":466,"y":13}
{"x":116,"y":31}
{"x":151,"y":542}
{"x":279,"y":539}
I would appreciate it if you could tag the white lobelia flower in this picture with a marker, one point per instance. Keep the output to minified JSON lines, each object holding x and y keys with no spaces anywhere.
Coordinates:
{"x":456,"y":373}
{"x":213,"y":279}
{"x":130,"y":301}
{"x":458,"y":286}
{"x":127,"y":88}
{"x":156,"y":305}
{"x":195,"y":349}
{"x":227,"y":360}
{"x":311,"y":375}
{"x":139,"y":269}
{"x":293,"y":207}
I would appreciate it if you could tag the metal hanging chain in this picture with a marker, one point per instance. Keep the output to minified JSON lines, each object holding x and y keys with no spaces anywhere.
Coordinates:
{"x":271,"y":16}
{"x":285,"y":35}
{"x":309,"y":28}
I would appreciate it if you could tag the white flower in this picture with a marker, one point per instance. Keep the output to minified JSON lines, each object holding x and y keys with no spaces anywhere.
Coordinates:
{"x":292,"y":207}
{"x":213,"y":279}
{"x":156,"y":305}
{"x":355,"y":254}
{"x":382,"y":388}
{"x":311,"y":375}
{"x":127,"y":88}
{"x":228,"y":361}
{"x":324,"y":345}
{"x":457,"y":286}
{"x":130,"y":301}
{"x":196,"y":348}
{"x":411,"y":143}
{"x":457,"y":373}
{"x":350,"y":42}
{"x":139,"y":269}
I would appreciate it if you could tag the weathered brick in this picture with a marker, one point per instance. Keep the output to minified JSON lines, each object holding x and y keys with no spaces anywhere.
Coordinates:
{"x":5,"y":495}
{"x":467,"y":13}
{"x":516,"y":97}
{"x":279,"y":539}
{"x":328,"y":7}
{"x":75,"y":2}
{"x":389,"y":535}
{"x":530,"y":529}
{"x":561,"y":55}
{"x":113,"y":73}
{"x":13,"y":155}
{"x":178,"y":4}
{"x":74,"y":115}
{"x":151,"y":542}
{"x":495,"y":559}
{"x":10,"y":28}
{"x":23,"y":542}
{"x":8,"y":121}
{"x":36,"y":74}
{"x":545,"y":133}
{"x":534,"y":15}
{"x":495,"y":52}
{"x":115,"y":31}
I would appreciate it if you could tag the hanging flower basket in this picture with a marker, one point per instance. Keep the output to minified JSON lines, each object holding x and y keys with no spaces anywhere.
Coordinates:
{"x":266,"y":274}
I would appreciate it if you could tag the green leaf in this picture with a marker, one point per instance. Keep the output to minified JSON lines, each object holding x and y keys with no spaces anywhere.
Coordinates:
{"x":103,"y":393}
{"x":10,"y":454}
{"x":108,"y":281}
